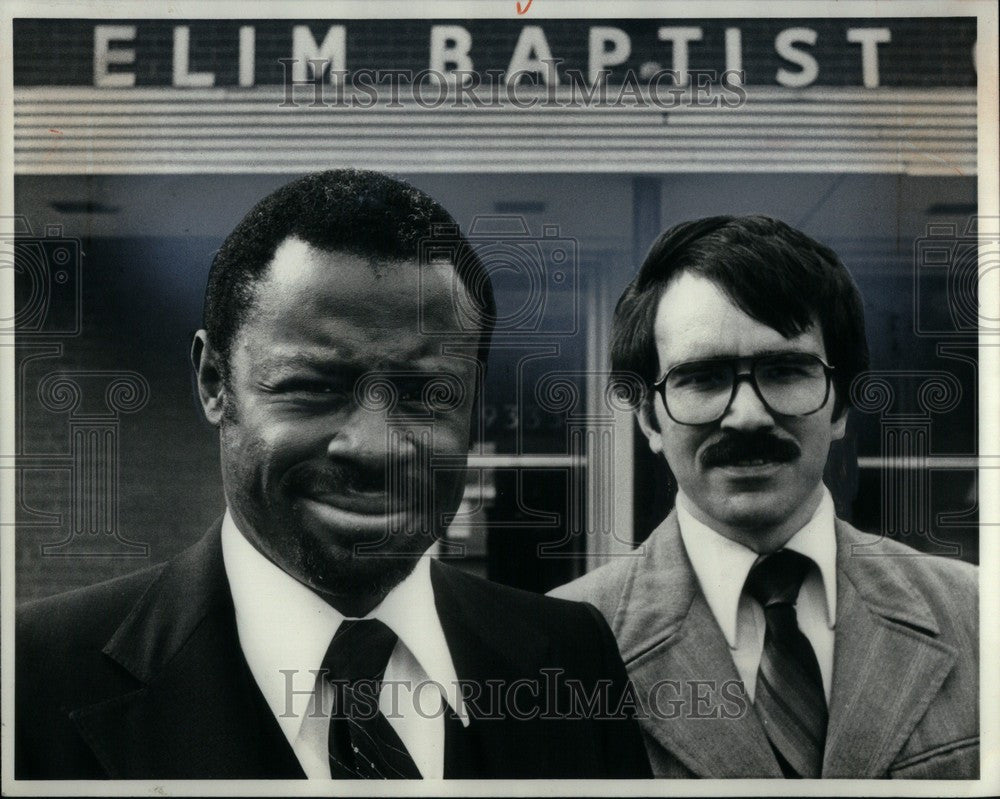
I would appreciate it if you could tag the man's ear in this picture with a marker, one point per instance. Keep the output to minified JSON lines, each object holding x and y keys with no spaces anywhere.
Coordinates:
{"x":208,"y":373}
{"x":649,"y":428}
{"x":839,"y":424}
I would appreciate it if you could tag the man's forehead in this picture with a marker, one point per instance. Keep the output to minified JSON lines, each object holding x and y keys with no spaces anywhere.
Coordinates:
{"x":297,"y":262}
{"x":304,"y":280}
{"x":697,"y":319}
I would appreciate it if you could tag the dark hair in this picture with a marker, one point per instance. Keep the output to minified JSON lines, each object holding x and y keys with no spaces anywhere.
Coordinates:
{"x":361,"y":212}
{"x":772,"y":272}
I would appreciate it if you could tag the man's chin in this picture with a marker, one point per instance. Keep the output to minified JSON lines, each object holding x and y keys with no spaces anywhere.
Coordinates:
{"x":751,"y":511}
{"x":356,"y":567}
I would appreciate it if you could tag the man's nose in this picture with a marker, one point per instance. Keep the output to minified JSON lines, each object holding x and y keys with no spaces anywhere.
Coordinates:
{"x":747,"y":411}
{"x":370,"y":435}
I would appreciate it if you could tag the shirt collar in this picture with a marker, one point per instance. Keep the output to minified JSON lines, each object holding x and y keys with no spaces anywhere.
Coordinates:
{"x":817,"y":540}
{"x":721,"y":565}
{"x":285,"y":627}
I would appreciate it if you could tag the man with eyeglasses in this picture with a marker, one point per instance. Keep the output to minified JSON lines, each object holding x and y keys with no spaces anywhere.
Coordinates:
{"x":764,"y":636}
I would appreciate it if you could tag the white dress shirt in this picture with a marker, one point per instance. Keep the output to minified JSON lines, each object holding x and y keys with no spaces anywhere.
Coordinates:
{"x":285,"y":629}
{"x":722,"y":565}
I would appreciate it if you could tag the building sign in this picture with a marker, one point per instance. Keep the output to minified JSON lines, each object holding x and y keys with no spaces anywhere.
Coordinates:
{"x":868,"y":53}
{"x":886,"y":95}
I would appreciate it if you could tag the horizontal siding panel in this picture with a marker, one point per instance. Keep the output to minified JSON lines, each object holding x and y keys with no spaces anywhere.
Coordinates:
{"x":253,"y":162}
{"x":758,"y":132}
{"x":89,"y":130}
{"x":355,"y":143}
{"x":350,"y":155}
{"x":267,"y":94}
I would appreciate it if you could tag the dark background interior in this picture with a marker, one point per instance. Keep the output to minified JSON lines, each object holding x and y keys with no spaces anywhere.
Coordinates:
{"x":145,"y":246}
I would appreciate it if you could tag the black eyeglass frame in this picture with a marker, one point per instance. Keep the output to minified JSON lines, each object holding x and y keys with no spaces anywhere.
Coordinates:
{"x":660,"y":386}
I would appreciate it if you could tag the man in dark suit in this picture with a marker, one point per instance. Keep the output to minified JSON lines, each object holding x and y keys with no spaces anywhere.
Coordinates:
{"x":308,"y":633}
{"x":767,"y":637}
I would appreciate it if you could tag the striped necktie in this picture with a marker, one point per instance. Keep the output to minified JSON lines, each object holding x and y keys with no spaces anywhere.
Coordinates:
{"x":789,"y":697}
{"x":362,"y":743}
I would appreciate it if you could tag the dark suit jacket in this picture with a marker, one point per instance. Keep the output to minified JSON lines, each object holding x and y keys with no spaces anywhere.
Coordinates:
{"x":905,"y":694}
{"x":143,"y":677}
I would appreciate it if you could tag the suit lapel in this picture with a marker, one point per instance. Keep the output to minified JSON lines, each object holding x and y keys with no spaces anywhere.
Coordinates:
{"x":667,"y":632}
{"x":198,"y":712}
{"x":888,"y":664}
{"x":480,"y":631}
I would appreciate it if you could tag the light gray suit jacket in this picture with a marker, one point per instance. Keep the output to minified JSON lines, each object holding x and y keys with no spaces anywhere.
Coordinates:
{"x":905,"y":695}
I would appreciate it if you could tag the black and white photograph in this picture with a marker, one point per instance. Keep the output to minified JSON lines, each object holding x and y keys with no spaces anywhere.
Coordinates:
{"x":499,"y":397}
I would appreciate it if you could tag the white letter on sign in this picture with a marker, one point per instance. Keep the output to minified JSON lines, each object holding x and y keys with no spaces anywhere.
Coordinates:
{"x":869,"y":39}
{"x":248,"y":55}
{"x":601,"y":56}
{"x":304,"y":49}
{"x":679,"y":38}
{"x":784,"y":44}
{"x":182,"y":62}
{"x":450,"y":46}
{"x":532,"y":54}
{"x":104,"y":56}
{"x":734,"y":55}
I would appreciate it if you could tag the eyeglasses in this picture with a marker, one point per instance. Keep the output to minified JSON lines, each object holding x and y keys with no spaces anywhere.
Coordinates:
{"x":789,"y":384}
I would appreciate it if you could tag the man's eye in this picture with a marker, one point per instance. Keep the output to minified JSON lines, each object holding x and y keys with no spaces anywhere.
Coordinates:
{"x":313,"y":388}
{"x":701,"y":379}
{"x":784,"y":372}
{"x":789,"y":369}
{"x":411,"y":390}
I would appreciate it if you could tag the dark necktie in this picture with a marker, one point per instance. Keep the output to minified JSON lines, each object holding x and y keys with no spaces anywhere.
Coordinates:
{"x":789,"y":695}
{"x":362,"y":743}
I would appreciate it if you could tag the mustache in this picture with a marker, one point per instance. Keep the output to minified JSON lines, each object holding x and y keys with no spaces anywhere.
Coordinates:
{"x":736,"y":446}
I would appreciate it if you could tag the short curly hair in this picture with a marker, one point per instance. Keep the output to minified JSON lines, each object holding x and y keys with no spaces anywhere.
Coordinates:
{"x":362,"y":212}
{"x":769,"y":270}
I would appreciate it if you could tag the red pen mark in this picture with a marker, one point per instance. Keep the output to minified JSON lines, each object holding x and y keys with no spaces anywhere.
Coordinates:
{"x":525,"y":9}
{"x":57,"y":132}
